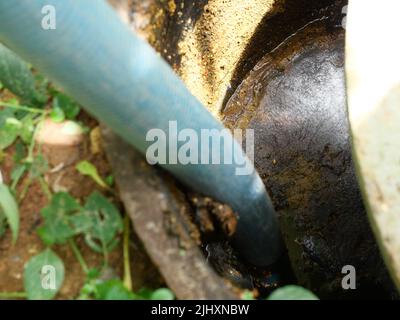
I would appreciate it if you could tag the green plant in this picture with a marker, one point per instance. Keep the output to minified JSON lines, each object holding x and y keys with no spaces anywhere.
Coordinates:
{"x":160,"y":294}
{"x":105,"y":224}
{"x":292,"y":293}
{"x":114,"y":289}
{"x":247,"y":295}
{"x":97,"y":220}
{"x":17,"y":121}
{"x":17,"y":124}
{"x":8,"y":212}
{"x":63,"y":108}
{"x":88,"y":169}
{"x":105,"y":290}
{"x":61,"y":219}
{"x":15,"y":75}
{"x":43,"y":276}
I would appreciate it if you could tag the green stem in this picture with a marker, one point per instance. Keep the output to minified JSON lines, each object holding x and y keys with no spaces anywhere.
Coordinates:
{"x":33,"y":141}
{"x":16,"y":181}
{"x":22,"y":108}
{"x":25,"y":190}
{"x":78,"y":256}
{"x":30,"y":159}
{"x":45,"y":187}
{"x":105,"y":254}
{"x":103,"y":244}
{"x":12,"y":295}
{"x":127,"y":266}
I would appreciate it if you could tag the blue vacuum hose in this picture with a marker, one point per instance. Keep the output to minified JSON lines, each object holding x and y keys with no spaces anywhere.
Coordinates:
{"x":124,"y":83}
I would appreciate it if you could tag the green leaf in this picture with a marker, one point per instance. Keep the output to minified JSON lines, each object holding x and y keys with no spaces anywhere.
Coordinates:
{"x":292,"y":293}
{"x":68,"y":107}
{"x":145,"y":294}
{"x":39,"y":167}
{"x":88,"y":169}
{"x":159,"y":294}
{"x":15,"y":75}
{"x":93,"y":274}
{"x":106,"y":223}
{"x":27,"y":128}
{"x":20,"y":152}
{"x":113,"y":290}
{"x":43,"y":276}
{"x":13,"y":124}
{"x":162,"y":294}
{"x":57,"y":115}
{"x":8,"y":128}
{"x":109,"y":180}
{"x":17,"y":174}
{"x":58,"y":219}
{"x":3,"y":223}
{"x":89,"y":288}
{"x":247,"y":295}
{"x":9,"y":209}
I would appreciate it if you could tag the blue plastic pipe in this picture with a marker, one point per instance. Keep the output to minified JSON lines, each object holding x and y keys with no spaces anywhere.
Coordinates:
{"x":121,"y":80}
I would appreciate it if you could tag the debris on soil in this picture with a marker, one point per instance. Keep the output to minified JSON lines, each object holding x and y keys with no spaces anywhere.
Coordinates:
{"x":213,"y":216}
{"x":225,"y":261}
{"x":218,"y":224}
{"x":61,"y":144}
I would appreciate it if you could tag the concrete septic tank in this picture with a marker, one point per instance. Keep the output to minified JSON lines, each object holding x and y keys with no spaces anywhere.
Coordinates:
{"x":278,"y":67}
